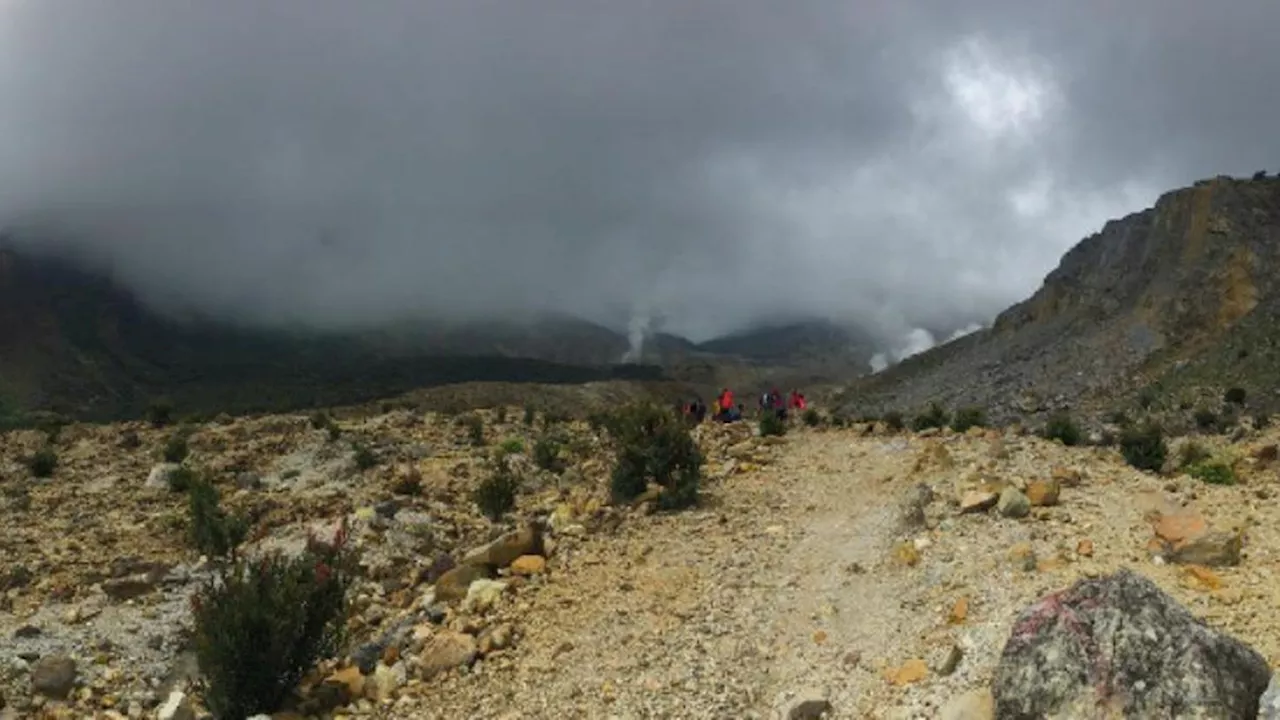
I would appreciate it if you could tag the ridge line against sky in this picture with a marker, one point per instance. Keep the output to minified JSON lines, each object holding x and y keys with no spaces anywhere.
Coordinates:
{"x":694,"y":166}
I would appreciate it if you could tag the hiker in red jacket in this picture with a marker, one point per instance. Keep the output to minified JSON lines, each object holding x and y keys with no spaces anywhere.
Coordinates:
{"x":726,"y":403}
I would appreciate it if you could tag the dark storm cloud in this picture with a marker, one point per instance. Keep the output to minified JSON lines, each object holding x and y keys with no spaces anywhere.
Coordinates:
{"x":897,"y":164}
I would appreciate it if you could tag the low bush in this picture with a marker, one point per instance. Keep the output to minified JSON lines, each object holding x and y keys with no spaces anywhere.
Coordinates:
{"x":1192,"y":453}
{"x":1147,"y":397}
{"x":1213,"y":473}
{"x":894,"y":421}
{"x":334,"y":432}
{"x":512,"y":446}
{"x":213,"y":532}
{"x":1119,"y":417}
{"x":771,"y":425}
{"x":181,"y":479}
{"x":530,"y":415}
{"x":175,"y":449}
{"x":811,"y":418}
{"x":1144,"y":448}
{"x":320,"y":420}
{"x":160,"y":412}
{"x":500,"y":414}
{"x":1206,"y":420}
{"x":934,"y":417}
{"x":364,"y":457}
{"x":1234,"y":396}
{"x":43,"y":462}
{"x":262,"y":625}
{"x":1062,"y":428}
{"x":652,"y":444}
{"x":410,"y":485}
{"x":495,"y":496}
{"x":546,"y":452}
{"x":968,"y":417}
{"x":474,"y":425}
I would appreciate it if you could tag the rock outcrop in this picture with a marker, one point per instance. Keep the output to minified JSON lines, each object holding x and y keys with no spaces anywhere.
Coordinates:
{"x":1120,"y":646}
{"x":1183,"y":292}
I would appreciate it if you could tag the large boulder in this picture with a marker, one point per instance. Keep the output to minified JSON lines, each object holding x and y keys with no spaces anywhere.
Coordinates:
{"x":1118,"y":646}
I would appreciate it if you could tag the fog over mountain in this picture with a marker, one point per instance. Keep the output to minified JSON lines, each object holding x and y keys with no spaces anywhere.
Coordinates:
{"x":694,"y":166}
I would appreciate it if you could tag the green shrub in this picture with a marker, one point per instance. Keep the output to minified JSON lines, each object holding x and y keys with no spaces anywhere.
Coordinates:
{"x":1119,"y":417}
{"x":530,"y":415}
{"x":653,"y":444}
{"x":175,"y":449}
{"x":894,"y":421}
{"x":495,"y":496}
{"x":51,"y":424}
{"x":1147,"y":397}
{"x":213,"y":532}
{"x":1261,"y":420}
{"x":934,"y":417}
{"x":1213,"y":473}
{"x":129,"y":440}
{"x":1206,"y":420}
{"x":1061,"y":427}
{"x":1144,"y":448}
{"x":160,"y":412}
{"x":320,"y":420}
{"x":474,"y":425}
{"x":262,"y":625}
{"x":513,"y":446}
{"x":1234,"y":396}
{"x":500,"y":414}
{"x":1192,"y":453}
{"x":181,"y":479}
{"x":334,"y":432}
{"x":771,"y":425}
{"x":968,"y":417}
{"x":410,"y":484}
{"x":43,"y":462}
{"x":364,"y":457}
{"x":546,"y":452}
{"x":811,"y":418}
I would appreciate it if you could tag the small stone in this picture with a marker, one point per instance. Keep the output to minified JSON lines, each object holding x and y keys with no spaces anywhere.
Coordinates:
{"x":350,"y":678}
{"x":454,"y":584}
{"x":129,"y":588}
{"x":1198,"y":577}
{"x":1214,"y":549}
{"x":959,"y":611}
{"x":978,"y":501}
{"x":446,"y":650}
{"x":973,"y":705}
{"x":391,"y":655}
{"x":53,"y":676}
{"x":248,"y":480}
{"x":1084,"y":548}
{"x":26,"y":632}
{"x":1043,"y":493}
{"x":495,"y":638}
{"x":950,"y":661}
{"x":529,"y":565}
{"x":905,"y":553}
{"x":1013,"y":504}
{"x":158,"y":478}
{"x":911,"y":671}
{"x":1023,"y":556}
{"x":506,"y":549}
{"x":176,"y":707}
{"x":483,"y":595}
{"x":386,"y":680}
{"x":1066,"y":477}
{"x":808,"y":704}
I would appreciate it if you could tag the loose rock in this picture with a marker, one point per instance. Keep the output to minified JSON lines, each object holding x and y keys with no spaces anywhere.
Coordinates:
{"x":1159,"y":660}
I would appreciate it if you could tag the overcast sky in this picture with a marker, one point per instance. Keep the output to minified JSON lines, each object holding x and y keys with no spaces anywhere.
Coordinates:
{"x":901,"y":163}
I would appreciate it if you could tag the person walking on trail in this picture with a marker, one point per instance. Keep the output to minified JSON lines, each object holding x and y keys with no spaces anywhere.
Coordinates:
{"x":726,"y":403}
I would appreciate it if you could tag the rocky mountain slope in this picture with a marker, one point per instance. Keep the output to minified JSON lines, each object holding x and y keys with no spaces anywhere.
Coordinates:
{"x":1180,"y":298}
{"x":74,"y":342}
{"x":858,"y":571}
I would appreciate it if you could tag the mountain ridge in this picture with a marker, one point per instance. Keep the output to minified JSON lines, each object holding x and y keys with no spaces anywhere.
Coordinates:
{"x":1133,"y":306}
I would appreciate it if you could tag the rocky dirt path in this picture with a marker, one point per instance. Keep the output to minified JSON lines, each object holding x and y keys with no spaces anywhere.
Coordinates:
{"x":722,"y":613}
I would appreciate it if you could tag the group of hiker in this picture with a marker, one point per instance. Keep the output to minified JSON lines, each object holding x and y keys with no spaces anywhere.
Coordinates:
{"x":725,"y":409}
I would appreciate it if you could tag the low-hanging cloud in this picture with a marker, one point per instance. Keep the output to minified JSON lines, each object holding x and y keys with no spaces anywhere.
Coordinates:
{"x":898,"y":165}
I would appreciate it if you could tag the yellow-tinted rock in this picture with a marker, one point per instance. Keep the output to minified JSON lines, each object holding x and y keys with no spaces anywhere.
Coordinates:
{"x":529,"y":565}
{"x":1043,"y":492}
{"x":912,"y":671}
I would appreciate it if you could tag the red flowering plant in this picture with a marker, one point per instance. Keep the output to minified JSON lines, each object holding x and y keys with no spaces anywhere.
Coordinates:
{"x":261,"y":625}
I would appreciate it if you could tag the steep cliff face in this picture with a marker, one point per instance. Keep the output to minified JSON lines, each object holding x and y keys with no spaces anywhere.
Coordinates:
{"x":1151,"y":294}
